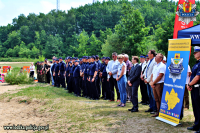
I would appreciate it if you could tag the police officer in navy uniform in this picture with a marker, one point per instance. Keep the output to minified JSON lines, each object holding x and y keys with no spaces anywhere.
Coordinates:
{"x":56,"y":71}
{"x":194,"y":87}
{"x":52,"y":70}
{"x":76,"y":76}
{"x":62,"y":72}
{"x":83,"y":77}
{"x":100,"y":75}
{"x":66,"y":71}
{"x":93,"y":70}
{"x":98,"y":85}
{"x":70,"y":78}
{"x":87,"y":69}
{"x":105,"y":83}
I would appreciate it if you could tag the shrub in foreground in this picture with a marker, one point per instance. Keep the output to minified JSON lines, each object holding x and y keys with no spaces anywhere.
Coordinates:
{"x":15,"y":78}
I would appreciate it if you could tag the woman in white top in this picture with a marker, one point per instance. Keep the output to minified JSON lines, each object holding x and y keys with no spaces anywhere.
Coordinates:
{"x":122,"y":80}
{"x":32,"y":69}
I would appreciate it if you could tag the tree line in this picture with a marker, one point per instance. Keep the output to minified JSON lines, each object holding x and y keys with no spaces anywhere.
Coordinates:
{"x":99,"y":28}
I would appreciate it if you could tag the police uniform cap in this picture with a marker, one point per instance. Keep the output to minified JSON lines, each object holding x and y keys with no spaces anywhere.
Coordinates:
{"x":73,"y":58}
{"x":196,"y":49}
{"x":94,"y":57}
{"x":54,"y":59}
{"x":147,"y":56}
{"x":66,"y":58}
{"x":76,"y":61}
{"x":97,"y":56}
{"x":107,"y":58}
{"x":57,"y":59}
{"x":70,"y":62}
{"x":60,"y":58}
{"x":89,"y":57}
{"x":142,"y":56}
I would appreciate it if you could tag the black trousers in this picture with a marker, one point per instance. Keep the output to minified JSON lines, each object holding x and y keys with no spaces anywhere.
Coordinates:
{"x":77,"y":89}
{"x":195,"y":95}
{"x":31,"y":74}
{"x":106,"y":88}
{"x":97,"y":83}
{"x":70,"y":83}
{"x":113,"y":83}
{"x":88,"y":88}
{"x":134,"y":96}
{"x":57,"y":80}
{"x":84,"y":86}
{"x":62,"y":79}
{"x":93,"y":88}
{"x":48,"y":77}
{"x":67,"y":77}
{"x":143,"y":89}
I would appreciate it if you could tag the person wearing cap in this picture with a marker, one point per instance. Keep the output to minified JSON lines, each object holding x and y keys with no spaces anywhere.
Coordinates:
{"x":103,"y":66}
{"x":143,"y":87}
{"x":164,"y":60}
{"x":61,"y":72}
{"x":105,"y":83}
{"x":76,"y":76}
{"x":84,"y":77}
{"x":98,"y":85}
{"x":66,"y":71}
{"x":194,"y":87}
{"x":112,"y":69}
{"x":93,"y":70}
{"x":55,"y":74}
{"x":52,"y":71}
{"x":70,"y":82}
{"x":87,"y":69}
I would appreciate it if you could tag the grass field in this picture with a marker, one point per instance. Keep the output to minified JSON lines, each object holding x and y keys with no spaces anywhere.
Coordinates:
{"x":67,"y":113}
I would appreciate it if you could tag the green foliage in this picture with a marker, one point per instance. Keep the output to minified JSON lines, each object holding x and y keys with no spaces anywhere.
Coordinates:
{"x":15,"y":78}
{"x":41,"y":58}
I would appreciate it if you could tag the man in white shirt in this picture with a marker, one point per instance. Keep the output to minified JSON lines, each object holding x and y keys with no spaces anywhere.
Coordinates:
{"x":157,"y":81}
{"x":112,"y":69}
{"x":143,"y":87}
{"x":147,"y":77}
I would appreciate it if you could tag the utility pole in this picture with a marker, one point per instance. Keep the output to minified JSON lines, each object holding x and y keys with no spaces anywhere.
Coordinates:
{"x":58,"y":5}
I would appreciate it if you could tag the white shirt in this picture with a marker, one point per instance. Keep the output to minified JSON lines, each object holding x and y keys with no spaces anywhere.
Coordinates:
{"x":157,"y":69}
{"x":112,"y":67}
{"x":143,"y":65}
{"x":32,"y":68}
{"x":120,"y":68}
{"x":187,"y":79}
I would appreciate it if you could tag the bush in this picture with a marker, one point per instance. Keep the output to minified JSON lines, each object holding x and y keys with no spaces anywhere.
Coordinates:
{"x":15,"y":77}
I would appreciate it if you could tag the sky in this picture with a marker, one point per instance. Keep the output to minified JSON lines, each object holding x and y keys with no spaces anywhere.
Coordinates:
{"x":10,"y":9}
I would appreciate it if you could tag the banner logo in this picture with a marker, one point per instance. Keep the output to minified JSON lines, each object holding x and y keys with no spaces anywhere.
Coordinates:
{"x":171,"y":99}
{"x":176,"y":67}
{"x":187,"y":12}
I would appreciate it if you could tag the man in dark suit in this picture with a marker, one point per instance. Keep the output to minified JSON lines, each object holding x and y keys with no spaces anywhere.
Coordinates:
{"x":134,"y":82}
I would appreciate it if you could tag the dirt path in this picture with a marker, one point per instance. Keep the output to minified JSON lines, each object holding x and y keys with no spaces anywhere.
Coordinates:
{"x":14,"y":112}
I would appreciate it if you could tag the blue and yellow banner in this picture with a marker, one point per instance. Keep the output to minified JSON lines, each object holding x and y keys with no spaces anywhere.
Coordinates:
{"x":175,"y":80}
